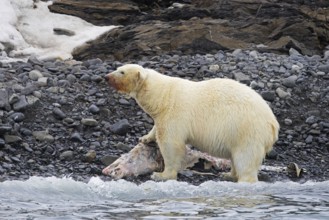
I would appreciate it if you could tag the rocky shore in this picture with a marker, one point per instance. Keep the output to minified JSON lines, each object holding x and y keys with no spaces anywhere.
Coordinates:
{"x":60,"y":118}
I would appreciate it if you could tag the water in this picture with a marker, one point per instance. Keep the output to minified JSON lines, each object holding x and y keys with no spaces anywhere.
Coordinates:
{"x":64,"y":198}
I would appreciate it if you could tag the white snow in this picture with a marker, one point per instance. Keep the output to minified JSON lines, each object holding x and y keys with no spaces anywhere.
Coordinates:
{"x":26,"y":31}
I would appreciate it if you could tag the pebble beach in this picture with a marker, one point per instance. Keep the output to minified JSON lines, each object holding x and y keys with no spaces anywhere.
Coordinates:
{"x":60,"y":118}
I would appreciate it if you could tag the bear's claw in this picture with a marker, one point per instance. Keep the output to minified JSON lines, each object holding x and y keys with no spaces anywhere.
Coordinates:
{"x":146,"y":139}
{"x":157,"y":176}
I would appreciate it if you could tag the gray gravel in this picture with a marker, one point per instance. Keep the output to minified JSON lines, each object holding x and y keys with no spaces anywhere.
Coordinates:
{"x":61,"y":119}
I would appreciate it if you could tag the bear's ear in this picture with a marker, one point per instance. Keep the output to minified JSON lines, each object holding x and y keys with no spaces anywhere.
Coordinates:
{"x":139,"y":76}
{"x":137,"y":79}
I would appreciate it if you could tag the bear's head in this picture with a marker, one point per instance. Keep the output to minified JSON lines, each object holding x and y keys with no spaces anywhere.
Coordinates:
{"x":127,"y":79}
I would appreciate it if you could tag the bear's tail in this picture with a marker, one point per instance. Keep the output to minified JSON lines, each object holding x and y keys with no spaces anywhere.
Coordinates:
{"x":275,"y":127}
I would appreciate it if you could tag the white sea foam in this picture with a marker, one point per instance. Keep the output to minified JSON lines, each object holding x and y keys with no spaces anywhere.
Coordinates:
{"x":150,"y":190}
{"x":65,"y":198}
{"x":174,"y":189}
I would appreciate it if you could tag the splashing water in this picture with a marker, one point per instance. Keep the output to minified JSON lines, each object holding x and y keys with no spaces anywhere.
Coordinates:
{"x":64,"y":198}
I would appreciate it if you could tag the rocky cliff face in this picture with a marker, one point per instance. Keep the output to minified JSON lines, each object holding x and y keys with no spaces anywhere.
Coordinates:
{"x":201,"y":26}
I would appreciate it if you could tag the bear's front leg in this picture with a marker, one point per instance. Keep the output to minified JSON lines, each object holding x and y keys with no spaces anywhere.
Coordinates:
{"x":150,"y":137}
{"x":173,"y":154}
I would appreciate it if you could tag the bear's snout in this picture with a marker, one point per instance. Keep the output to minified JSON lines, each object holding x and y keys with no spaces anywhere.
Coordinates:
{"x":113,"y":82}
{"x":110,"y":79}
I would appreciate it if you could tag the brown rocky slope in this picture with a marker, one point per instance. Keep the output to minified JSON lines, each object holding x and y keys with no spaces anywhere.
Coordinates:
{"x":197,"y":26}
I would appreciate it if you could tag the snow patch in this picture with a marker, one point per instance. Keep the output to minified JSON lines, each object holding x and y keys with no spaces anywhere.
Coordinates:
{"x":27,"y":29}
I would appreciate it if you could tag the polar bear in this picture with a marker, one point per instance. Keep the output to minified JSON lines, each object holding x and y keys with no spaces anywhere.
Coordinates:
{"x":222,"y":117}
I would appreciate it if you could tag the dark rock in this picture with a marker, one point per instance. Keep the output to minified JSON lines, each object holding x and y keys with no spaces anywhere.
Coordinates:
{"x":85,"y":77}
{"x":121,"y":127}
{"x":93,"y":109}
{"x":8,"y":159}
{"x":92,"y":91}
{"x":309,"y":139}
{"x":76,"y":137}
{"x":29,"y":89}
{"x":5,"y":129}
{"x":324,"y":68}
{"x":12,"y":138}
{"x":107,"y":160}
{"x":66,"y":155}
{"x":123,"y":147}
{"x":272,"y":155}
{"x":241,"y":77}
{"x":62,"y":31}
{"x":63,"y":83}
{"x":58,"y":113}
{"x":21,"y":104}
{"x":17,"y":116}
{"x":89,"y":122}
{"x":2,"y":142}
{"x":25,"y":131}
{"x":27,"y":147}
{"x":90,"y":156}
{"x":15,"y":159}
{"x":290,"y":82}
{"x":49,"y":150}
{"x":315,"y":132}
{"x":311,"y":120}
{"x":71,"y":78}
{"x":95,"y":144}
{"x":98,"y":12}
{"x":68,"y":121}
{"x":325,"y":124}
{"x":124,"y":101}
{"x":96,"y":78}
{"x":255,"y":85}
{"x":94,"y":62}
{"x":101,"y":102}
{"x":268,"y":95}
{"x":4,"y":99}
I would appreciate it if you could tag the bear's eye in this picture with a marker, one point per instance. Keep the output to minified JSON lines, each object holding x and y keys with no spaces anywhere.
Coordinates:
{"x":122,"y":73}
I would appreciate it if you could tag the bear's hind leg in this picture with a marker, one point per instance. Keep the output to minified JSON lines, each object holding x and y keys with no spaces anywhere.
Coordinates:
{"x":173,"y":154}
{"x":230,"y":176}
{"x":247,"y":164}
